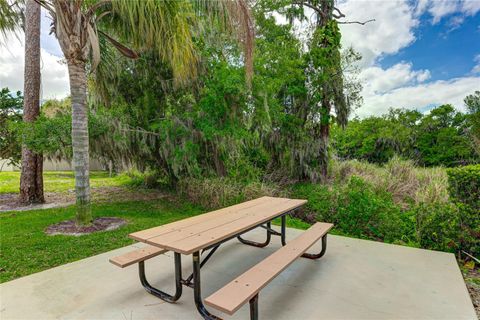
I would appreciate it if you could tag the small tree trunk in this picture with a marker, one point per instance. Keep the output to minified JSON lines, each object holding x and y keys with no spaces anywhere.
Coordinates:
{"x":324,"y":138}
{"x":31,"y":179}
{"x":78,"y":92}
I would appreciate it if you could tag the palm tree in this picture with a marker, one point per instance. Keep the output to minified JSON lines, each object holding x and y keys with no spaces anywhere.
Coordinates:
{"x":165,"y":26}
{"x":11,"y":18}
{"x":31,"y":179}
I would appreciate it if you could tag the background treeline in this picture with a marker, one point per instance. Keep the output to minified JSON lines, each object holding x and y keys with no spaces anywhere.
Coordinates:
{"x":443,"y":137}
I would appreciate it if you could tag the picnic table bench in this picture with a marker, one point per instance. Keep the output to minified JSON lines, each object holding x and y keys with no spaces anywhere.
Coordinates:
{"x":203,"y":234}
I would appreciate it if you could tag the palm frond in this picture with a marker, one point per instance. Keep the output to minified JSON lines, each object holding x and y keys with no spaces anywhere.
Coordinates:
{"x":11,"y":16}
{"x":164,"y":26}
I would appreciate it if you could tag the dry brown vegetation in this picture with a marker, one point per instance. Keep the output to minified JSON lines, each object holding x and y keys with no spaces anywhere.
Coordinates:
{"x":405,"y":181}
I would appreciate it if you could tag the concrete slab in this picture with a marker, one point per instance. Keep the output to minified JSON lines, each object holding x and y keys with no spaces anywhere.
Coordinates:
{"x":356,"y":279}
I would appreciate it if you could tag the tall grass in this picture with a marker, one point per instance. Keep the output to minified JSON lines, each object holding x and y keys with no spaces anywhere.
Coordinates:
{"x":407,"y":183}
{"x":397,"y":203}
{"x":213,"y":193}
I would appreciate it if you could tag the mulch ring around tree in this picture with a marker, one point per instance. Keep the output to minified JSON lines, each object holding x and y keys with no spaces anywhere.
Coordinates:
{"x":69,"y":227}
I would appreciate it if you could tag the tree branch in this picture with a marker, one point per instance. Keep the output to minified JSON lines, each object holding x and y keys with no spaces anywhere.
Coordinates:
{"x":356,"y":22}
{"x":340,"y":14}
{"x":301,"y":3}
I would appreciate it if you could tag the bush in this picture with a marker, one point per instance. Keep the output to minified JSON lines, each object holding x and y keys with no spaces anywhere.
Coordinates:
{"x":437,"y":226}
{"x":148,"y":179}
{"x":464,"y":184}
{"x":358,"y":210}
{"x":464,"y":188}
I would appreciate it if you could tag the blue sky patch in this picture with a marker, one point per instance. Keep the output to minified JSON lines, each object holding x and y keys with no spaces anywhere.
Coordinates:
{"x":446,"y":49}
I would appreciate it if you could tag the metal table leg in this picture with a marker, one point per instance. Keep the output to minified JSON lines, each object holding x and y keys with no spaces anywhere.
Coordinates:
{"x":270,"y":232}
{"x":197,"y":289}
{"x":254,"y":308}
{"x":158,"y":293}
{"x":322,"y":252}
{"x":258,"y":244}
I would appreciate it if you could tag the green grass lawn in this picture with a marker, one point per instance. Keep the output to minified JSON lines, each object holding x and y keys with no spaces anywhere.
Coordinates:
{"x":26,"y":249}
{"x":61,"y":181}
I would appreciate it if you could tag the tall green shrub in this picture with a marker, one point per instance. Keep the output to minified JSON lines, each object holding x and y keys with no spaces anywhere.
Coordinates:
{"x":464,"y":188}
{"x":357,"y":209}
{"x":437,"y":226}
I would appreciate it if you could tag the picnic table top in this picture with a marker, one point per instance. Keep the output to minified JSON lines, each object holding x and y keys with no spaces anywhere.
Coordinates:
{"x":199,"y":232}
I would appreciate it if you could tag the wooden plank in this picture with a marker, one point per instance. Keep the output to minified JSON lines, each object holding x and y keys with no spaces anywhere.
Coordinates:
{"x":190,"y":243}
{"x":177,"y":225}
{"x":133,"y":257}
{"x":208,"y":237}
{"x":236,"y":293}
{"x":249,"y":213}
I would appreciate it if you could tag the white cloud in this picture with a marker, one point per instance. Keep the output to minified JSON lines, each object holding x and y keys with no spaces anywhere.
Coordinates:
{"x":47,"y":40}
{"x":439,"y":9}
{"x":54,"y":83}
{"x":378,"y":80}
{"x":476,"y":68}
{"x":391,"y":31}
{"x":419,"y":96}
{"x":471,"y":7}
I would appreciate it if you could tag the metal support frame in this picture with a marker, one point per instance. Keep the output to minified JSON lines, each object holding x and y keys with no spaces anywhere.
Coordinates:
{"x":259,"y":244}
{"x":284,"y":230}
{"x":197,"y":295}
{"x":269,"y":228}
{"x":322,"y":252}
{"x":188,"y":282}
{"x":158,"y":293}
{"x":270,"y":232}
{"x":254,"y":308}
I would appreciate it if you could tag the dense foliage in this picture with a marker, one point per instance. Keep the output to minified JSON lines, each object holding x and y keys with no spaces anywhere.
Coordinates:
{"x":440,"y":137}
{"x":357,"y":209}
{"x":218,"y":125}
{"x":464,"y":188}
{"x":219,"y":139}
{"x":10,"y":114}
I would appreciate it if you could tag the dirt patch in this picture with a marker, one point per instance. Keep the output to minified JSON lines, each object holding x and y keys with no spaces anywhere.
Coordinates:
{"x":9,"y":201}
{"x":69,"y":227}
{"x":472,"y":280}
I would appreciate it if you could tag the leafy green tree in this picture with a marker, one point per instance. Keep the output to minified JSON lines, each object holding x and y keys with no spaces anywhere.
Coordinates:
{"x":442,"y":139}
{"x":472,"y":102}
{"x":325,"y":78}
{"x":10,"y":114}
{"x":83,"y":27}
{"x":439,"y":138}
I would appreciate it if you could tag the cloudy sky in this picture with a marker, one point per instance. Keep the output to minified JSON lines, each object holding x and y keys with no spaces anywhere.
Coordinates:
{"x":417,"y":54}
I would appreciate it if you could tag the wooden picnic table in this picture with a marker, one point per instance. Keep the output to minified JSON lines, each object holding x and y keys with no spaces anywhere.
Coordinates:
{"x":201,"y":232}
{"x":206,"y":232}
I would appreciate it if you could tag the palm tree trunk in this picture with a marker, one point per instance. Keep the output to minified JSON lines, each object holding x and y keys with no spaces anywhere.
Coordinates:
{"x":78,"y":92}
{"x":31,"y":179}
